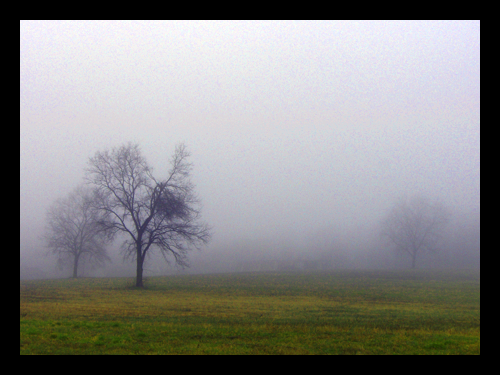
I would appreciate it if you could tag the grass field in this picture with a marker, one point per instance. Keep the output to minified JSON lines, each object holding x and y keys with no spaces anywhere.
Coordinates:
{"x":339,"y":312}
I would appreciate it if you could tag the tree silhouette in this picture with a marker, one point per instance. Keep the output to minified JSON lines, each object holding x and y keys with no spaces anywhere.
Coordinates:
{"x":415,"y":225}
{"x":152,"y":213}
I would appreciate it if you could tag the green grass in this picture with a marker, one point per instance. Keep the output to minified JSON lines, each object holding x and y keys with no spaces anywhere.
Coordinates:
{"x":340,"y":312}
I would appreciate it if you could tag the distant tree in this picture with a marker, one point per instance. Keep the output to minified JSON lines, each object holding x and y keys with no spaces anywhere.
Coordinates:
{"x":415,"y":225}
{"x":73,"y":232}
{"x":152,"y":213}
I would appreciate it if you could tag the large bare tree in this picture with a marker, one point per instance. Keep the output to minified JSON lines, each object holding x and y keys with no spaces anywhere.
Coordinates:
{"x":153,"y":213}
{"x":415,"y":225}
{"x":73,"y":232}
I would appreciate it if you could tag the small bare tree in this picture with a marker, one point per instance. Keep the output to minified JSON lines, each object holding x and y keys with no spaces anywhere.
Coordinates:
{"x":153,"y":214}
{"x":73,"y":232}
{"x":415,"y":225}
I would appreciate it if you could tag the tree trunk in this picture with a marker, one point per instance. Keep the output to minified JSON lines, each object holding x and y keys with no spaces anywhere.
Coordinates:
{"x":75,"y":266}
{"x":413,"y":260}
{"x":138,"y":280}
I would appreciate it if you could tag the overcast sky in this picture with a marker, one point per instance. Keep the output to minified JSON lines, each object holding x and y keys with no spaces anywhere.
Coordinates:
{"x":293,"y":126}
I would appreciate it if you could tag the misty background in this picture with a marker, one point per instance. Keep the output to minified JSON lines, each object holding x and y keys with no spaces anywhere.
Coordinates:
{"x":303,"y":134}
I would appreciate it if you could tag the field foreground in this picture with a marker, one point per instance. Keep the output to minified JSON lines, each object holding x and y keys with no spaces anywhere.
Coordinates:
{"x":339,"y":312}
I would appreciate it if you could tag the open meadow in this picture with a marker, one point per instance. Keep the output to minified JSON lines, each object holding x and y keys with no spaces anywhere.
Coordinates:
{"x":337,"y":312}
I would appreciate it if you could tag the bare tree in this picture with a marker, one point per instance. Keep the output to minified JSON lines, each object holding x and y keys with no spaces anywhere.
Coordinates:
{"x":415,"y":225}
{"x":73,"y":232}
{"x":153,"y":214}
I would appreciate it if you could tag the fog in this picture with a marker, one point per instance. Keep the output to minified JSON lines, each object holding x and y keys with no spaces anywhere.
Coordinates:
{"x":302,"y":134}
